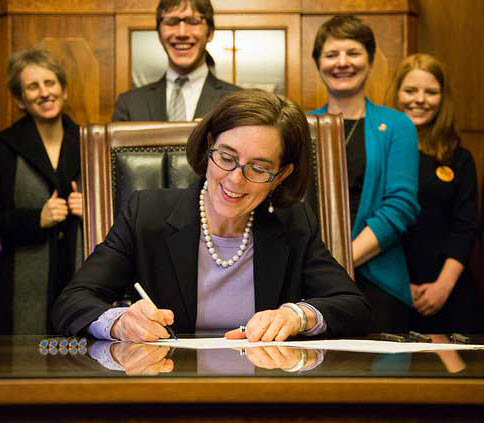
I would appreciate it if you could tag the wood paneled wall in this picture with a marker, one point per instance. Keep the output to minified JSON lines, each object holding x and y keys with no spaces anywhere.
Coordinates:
{"x":84,"y":34}
{"x":85,"y":47}
{"x":451,"y":30}
{"x":91,"y":38}
{"x":81,"y":35}
{"x":393,"y":44}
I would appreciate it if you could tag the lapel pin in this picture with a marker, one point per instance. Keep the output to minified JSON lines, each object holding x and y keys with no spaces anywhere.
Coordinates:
{"x":382,"y":127}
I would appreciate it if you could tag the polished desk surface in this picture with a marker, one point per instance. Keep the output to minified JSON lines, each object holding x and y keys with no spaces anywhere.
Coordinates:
{"x":157,"y":375}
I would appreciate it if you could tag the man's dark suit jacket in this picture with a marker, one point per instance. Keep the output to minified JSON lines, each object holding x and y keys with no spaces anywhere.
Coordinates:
{"x":155,"y":240}
{"x":148,"y":103}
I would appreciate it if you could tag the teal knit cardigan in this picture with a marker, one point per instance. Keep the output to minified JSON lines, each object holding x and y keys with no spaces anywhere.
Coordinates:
{"x":388,"y":203}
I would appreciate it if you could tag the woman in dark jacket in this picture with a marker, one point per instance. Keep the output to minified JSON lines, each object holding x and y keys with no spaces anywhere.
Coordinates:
{"x":237,"y":249}
{"x":40,"y":206}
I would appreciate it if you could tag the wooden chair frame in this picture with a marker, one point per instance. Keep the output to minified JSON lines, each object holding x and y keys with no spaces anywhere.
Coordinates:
{"x":98,"y":141}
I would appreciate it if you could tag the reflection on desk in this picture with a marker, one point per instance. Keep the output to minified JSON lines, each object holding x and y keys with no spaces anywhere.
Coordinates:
{"x":203,"y":386}
{"x":145,"y":359}
{"x":20,"y":358}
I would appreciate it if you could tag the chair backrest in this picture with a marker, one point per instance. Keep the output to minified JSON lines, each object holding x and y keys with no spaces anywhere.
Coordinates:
{"x":120,"y":157}
{"x":330,"y":185}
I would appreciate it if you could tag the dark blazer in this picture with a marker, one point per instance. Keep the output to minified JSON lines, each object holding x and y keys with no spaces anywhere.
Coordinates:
{"x":43,"y":258}
{"x":155,"y":240}
{"x":148,"y":103}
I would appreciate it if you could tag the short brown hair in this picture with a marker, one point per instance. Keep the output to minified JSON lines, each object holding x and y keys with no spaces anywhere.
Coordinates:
{"x":259,"y":108}
{"x":31,"y":56}
{"x":204,"y":7}
{"x":439,"y":138}
{"x":345,"y":27}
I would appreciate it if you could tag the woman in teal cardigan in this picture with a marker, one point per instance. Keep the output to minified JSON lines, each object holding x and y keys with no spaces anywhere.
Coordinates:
{"x":382,"y":155}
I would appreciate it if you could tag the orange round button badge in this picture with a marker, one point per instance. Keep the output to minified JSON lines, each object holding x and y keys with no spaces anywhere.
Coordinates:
{"x":445,"y":173}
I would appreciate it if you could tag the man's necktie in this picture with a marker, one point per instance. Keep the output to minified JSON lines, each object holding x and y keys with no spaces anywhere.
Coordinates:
{"x":176,"y":107}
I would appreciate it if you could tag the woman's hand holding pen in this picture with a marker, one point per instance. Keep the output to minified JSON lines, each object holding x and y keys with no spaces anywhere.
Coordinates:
{"x":142,"y":322}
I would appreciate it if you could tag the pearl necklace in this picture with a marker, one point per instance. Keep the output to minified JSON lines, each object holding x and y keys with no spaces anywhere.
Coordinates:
{"x":208,"y":237}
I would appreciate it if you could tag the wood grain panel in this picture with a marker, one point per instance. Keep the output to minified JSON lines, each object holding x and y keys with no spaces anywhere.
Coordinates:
{"x":81,"y":65}
{"x":349,"y":390}
{"x":220,"y":6}
{"x":136,"y":6}
{"x":59,"y":7}
{"x":89,"y":58}
{"x":410,"y":41}
{"x":124,"y":25}
{"x":5,"y":104}
{"x":474,"y":142}
{"x":390,"y":32}
{"x":452,"y":31}
{"x":358,"y":6}
{"x":257,"y":6}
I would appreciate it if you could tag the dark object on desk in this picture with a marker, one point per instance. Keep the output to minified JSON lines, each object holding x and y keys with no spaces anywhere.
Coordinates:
{"x":390,"y":337}
{"x":457,"y":338}
{"x":418,"y":337}
{"x":72,"y":345}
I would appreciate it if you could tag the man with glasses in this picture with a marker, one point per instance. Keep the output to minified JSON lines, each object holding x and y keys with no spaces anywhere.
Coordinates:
{"x":188,"y":90}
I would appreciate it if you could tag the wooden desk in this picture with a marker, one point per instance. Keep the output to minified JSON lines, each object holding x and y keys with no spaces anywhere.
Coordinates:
{"x":344,"y":387}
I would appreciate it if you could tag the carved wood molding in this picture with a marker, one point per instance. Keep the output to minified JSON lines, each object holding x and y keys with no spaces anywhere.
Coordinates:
{"x":220,"y":6}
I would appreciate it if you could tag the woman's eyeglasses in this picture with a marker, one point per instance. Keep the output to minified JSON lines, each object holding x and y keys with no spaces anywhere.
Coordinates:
{"x":252,"y":173}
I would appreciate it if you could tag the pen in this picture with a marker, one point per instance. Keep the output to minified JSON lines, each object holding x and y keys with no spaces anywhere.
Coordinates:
{"x":145,"y":296}
{"x":415,"y":336}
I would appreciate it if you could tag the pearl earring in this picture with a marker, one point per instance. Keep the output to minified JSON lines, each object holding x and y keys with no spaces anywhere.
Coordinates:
{"x":270,"y":209}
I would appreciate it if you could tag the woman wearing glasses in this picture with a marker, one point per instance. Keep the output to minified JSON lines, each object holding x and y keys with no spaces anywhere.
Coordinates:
{"x":237,"y":248}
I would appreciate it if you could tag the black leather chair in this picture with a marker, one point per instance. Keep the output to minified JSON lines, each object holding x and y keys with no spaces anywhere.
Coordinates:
{"x":120,"y":157}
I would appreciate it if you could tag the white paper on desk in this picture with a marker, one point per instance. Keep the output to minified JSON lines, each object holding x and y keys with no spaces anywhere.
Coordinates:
{"x":355,"y":345}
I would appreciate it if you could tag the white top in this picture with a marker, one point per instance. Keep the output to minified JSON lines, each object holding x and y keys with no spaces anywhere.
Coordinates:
{"x":191,"y":89}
